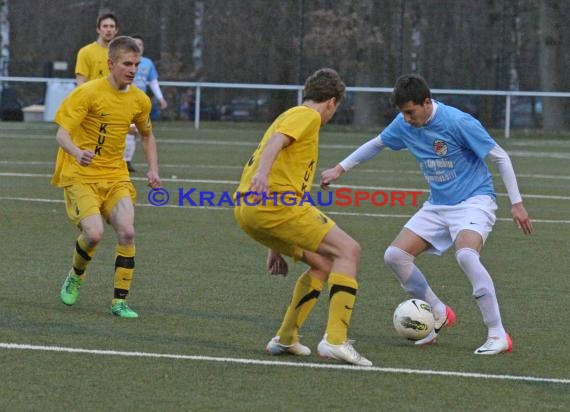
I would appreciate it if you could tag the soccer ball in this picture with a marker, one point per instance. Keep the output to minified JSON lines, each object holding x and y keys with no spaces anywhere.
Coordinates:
{"x":413,"y":319}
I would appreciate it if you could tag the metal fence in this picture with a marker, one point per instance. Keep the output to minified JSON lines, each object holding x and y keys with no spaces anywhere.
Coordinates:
{"x":199,"y":108}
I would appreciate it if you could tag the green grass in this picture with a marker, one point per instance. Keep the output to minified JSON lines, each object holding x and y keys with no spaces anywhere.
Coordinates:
{"x":201,"y":290}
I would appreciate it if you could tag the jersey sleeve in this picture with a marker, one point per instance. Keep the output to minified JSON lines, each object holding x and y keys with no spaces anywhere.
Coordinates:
{"x":73,"y":109}
{"x":391,"y":135}
{"x":142,"y":118}
{"x":474,"y":136}
{"x":299,"y":123}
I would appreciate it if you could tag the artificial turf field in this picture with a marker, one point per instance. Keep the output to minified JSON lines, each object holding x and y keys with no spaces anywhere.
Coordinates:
{"x":208,"y":308}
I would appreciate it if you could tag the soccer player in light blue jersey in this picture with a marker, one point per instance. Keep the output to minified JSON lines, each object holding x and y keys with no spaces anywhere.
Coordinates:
{"x":450,"y":147}
{"x":146,"y":77}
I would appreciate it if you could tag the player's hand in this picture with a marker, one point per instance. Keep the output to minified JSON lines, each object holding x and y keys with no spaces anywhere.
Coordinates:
{"x":276,"y":265}
{"x":330,"y":175}
{"x":163,"y":104}
{"x":259,"y":184}
{"x":133,"y":129}
{"x":153,"y":179}
{"x":85,"y":157}
{"x":520,"y":216}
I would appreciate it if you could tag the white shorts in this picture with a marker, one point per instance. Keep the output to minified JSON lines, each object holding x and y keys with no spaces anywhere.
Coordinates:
{"x":440,"y":224}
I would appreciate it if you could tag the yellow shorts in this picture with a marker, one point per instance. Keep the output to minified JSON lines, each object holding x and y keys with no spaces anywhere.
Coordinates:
{"x":287,"y":229}
{"x":86,"y":199}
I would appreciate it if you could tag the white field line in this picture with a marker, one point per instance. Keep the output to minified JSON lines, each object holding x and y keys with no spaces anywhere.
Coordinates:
{"x":235,"y":182}
{"x":380,"y":172}
{"x":256,"y":362}
{"x":223,"y":208}
{"x":514,"y":153}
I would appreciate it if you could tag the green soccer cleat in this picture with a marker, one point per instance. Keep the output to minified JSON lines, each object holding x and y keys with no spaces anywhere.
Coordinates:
{"x":70,"y":289}
{"x":122,"y":310}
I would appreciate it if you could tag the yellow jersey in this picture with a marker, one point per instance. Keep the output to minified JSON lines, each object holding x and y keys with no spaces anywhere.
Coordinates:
{"x":295,"y":166}
{"x":98,"y":116}
{"x":92,"y":61}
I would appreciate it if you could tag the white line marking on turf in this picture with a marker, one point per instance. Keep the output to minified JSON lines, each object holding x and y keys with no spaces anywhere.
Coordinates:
{"x":235,"y":182}
{"x":240,"y":167}
{"x":60,"y":349}
{"x":512,"y":153}
{"x":379,"y":215}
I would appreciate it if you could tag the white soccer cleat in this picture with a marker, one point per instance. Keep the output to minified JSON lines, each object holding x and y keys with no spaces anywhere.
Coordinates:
{"x":275,"y":348}
{"x":447,"y":321}
{"x":344,"y":352}
{"x":495,"y":345}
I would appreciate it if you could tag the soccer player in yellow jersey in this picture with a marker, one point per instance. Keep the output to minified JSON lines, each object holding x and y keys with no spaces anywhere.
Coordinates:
{"x":92,"y":59}
{"x":283,"y":166}
{"x":93,"y":121}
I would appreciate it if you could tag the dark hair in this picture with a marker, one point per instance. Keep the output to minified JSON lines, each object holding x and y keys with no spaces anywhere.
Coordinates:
{"x":410,"y":87}
{"x":323,"y":85}
{"x":122,"y":44}
{"x":137,"y":36}
{"x":107,"y":15}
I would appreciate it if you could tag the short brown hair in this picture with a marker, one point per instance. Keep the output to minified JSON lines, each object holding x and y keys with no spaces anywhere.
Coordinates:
{"x":323,"y":85}
{"x":122,"y":44}
{"x":107,"y":15}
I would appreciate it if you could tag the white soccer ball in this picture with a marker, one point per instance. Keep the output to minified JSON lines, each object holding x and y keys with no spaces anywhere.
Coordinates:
{"x":413,"y":319}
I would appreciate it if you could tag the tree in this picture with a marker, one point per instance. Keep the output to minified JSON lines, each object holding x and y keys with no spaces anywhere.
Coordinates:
{"x":552,"y":69}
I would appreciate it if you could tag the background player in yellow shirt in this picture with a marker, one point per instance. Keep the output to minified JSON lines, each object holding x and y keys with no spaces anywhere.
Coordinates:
{"x":92,"y":59}
{"x":284,"y":165}
{"x":93,"y":121}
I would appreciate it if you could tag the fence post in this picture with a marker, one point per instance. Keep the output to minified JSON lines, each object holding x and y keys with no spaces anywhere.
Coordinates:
{"x":508,"y":116}
{"x":197,"y":107}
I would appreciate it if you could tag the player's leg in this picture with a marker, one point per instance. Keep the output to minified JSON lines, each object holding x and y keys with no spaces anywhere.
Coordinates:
{"x":468,"y":244}
{"x":121,"y":218}
{"x":400,"y":257}
{"x":426,"y":231}
{"x":306,"y":292}
{"x":86,"y":244}
{"x":293,"y":232}
{"x":82,"y":205}
{"x":344,"y":252}
{"x":470,"y":228}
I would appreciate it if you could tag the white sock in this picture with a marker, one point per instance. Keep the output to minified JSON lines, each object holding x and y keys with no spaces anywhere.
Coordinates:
{"x":412,"y":279}
{"x":130,"y":146}
{"x":483,"y":290}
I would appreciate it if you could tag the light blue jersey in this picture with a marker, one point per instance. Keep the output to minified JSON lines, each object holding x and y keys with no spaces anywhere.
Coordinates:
{"x":146,"y":73}
{"x":450,"y":149}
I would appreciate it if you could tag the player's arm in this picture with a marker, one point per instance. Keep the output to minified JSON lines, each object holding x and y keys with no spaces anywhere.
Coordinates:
{"x":83,"y":157}
{"x":151,"y":155}
{"x":153,"y":84}
{"x":260,"y":181}
{"x":501,"y":159}
{"x":364,"y":153}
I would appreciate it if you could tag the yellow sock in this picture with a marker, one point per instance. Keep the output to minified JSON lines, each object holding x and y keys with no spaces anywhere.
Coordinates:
{"x":305,"y":295}
{"x":82,"y":255}
{"x":124,"y":268}
{"x":342,"y":292}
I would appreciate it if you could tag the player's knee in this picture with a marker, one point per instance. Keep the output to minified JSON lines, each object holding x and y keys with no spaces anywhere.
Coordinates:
{"x":394,"y":256}
{"x":92,"y":236}
{"x":354,"y":250}
{"x":466,"y":255}
{"x":126,"y":234}
{"x":349,"y":249}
